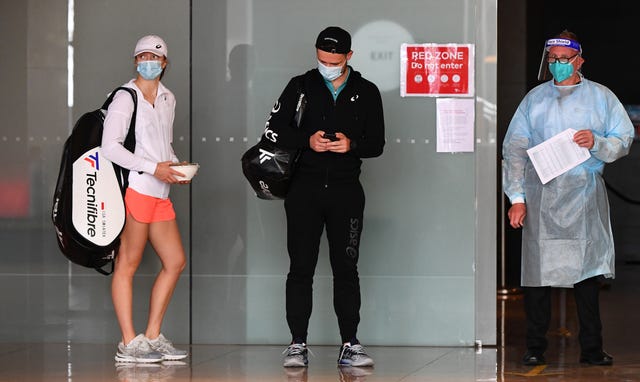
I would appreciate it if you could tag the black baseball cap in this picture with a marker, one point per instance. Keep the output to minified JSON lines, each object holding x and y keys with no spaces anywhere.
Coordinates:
{"x":334,"y":40}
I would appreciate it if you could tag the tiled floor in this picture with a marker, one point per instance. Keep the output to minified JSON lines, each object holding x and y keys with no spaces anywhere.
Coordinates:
{"x":620,"y":312}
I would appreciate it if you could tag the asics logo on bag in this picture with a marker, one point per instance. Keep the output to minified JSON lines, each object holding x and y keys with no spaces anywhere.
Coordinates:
{"x":268,"y":133}
{"x":265,"y":155}
{"x":264,"y":187}
{"x":276,"y":107}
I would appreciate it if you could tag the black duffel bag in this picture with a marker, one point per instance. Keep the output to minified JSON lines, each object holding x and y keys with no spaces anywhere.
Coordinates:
{"x":88,"y":210}
{"x":269,"y":168}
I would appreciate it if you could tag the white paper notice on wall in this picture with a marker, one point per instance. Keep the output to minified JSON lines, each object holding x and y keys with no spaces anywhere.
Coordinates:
{"x":557,"y":155}
{"x":455,"y":118}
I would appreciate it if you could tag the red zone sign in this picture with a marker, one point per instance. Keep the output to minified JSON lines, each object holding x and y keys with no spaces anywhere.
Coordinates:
{"x":436,"y":70}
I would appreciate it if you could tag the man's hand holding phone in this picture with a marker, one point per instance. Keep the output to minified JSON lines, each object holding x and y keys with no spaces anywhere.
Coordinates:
{"x":335,"y":142}
{"x":331,"y":136}
{"x":338,"y":142}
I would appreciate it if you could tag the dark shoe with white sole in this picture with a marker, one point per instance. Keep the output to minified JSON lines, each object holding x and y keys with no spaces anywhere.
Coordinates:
{"x":598,"y":359}
{"x":533,"y":359}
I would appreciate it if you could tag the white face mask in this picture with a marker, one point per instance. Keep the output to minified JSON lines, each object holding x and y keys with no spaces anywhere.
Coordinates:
{"x":330,"y":73}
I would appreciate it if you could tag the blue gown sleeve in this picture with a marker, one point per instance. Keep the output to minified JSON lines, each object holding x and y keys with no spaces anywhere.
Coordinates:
{"x":514,"y":154}
{"x":618,"y":134}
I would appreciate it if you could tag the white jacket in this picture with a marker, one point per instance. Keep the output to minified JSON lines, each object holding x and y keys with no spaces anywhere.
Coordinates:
{"x":154,"y":135}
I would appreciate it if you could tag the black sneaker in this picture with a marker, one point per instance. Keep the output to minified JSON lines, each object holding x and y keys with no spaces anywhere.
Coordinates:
{"x":533,"y":359}
{"x":354,"y":355}
{"x":598,"y":359}
{"x":295,"y":355}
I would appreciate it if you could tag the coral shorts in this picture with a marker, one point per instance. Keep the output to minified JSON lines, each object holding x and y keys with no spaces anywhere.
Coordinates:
{"x":148,"y":209}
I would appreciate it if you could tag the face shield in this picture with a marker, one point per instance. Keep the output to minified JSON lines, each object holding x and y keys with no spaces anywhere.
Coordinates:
{"x":543,"y":73}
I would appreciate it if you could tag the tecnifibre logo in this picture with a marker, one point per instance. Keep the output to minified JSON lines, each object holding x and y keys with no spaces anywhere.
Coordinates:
{"x":94,"y":160}
{"x":98,"y":212}
{"x":92,"y":203}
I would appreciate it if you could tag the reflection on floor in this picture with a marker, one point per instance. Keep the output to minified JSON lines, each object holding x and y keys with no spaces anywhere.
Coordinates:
{"x":620,"y":313}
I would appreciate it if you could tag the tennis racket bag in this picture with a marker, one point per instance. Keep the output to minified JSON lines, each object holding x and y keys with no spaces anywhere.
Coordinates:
{"x":88,"y":206}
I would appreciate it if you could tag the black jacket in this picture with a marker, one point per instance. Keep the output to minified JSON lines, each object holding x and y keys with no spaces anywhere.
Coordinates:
{"x":357,"y":113}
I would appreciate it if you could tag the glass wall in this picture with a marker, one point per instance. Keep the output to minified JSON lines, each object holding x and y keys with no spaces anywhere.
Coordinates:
{"x":427,"y":262}
{"x":419,"y":247}
{"x":60,"y":59}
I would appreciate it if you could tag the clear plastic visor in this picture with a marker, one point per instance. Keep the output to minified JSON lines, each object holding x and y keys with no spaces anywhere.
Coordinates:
{"x":543,"y":72}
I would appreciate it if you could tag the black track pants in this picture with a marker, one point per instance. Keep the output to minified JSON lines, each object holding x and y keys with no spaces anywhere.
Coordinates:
{"x":310,"y":208}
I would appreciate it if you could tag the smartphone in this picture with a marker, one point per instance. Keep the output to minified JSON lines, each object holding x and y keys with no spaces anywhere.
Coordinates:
{"x":331,"y":136}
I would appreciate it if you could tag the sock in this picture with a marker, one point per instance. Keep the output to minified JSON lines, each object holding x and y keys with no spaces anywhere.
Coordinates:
{"x":299,"y":340}
{"x":352,"y":341}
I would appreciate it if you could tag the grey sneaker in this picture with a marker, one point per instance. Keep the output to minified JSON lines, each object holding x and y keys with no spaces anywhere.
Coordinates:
{"x":354,"y":355}
{"x":295,"y":355}
{"x":165,"y":347}
{"x":138,"y":350}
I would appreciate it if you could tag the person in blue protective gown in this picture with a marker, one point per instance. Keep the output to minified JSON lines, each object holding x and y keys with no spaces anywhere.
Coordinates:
{"x":566,"y":238}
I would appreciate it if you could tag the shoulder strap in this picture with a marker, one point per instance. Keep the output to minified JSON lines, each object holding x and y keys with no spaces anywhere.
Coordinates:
{"x":301,"y":103}
{"x":130,"y":139}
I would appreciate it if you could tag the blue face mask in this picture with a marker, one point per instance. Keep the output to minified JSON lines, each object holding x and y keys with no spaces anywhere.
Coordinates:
{"x":561,"y":71}
{"x":330,"y":73}
{"x":149,"y":70}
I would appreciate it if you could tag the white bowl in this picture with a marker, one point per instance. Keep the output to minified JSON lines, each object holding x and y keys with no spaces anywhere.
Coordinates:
{"x":188,"y":169}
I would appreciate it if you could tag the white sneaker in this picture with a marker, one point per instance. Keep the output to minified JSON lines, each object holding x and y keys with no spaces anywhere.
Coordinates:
{"x":138,"y":350}
{"x":165,"y":347}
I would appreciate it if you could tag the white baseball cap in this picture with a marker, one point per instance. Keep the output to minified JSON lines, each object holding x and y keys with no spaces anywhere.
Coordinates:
{"x":151,"y":43}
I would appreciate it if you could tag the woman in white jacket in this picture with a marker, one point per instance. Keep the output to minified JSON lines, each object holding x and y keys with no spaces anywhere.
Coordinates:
{"x":150,"y":213}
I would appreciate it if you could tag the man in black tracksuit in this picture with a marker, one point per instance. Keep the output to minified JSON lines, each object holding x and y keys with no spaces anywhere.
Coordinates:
{"x":342,"y":123}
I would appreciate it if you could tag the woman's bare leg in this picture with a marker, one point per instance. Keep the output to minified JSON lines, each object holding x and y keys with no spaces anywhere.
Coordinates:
{"x":132,"y":243}
{"x":166,"y":241}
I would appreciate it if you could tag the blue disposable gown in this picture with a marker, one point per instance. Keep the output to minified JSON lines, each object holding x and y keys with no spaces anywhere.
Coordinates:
{"x":567,"y":235}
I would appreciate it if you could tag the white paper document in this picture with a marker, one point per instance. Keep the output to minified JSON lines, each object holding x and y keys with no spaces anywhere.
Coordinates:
{"x":557,"y":155}
{"x":454,"y":124}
